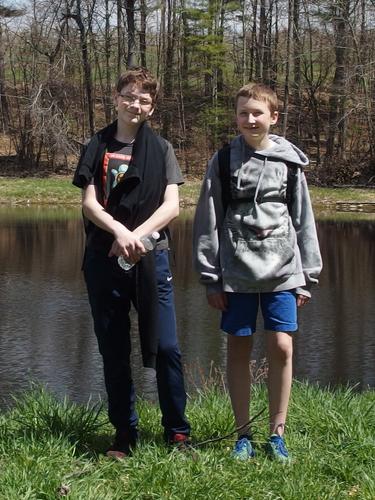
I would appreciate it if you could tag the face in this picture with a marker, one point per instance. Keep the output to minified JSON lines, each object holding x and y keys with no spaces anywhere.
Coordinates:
{"x":254,"y":120}
{"x":133,"y":105}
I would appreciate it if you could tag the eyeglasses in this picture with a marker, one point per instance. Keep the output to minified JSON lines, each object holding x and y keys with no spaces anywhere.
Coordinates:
{"x":131,"y":99}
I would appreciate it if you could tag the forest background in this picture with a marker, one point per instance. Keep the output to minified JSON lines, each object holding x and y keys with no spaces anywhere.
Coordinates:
{"x":59,"y":60}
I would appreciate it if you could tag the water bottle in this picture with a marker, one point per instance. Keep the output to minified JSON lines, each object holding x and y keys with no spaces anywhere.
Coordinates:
{"x":149,"y":242}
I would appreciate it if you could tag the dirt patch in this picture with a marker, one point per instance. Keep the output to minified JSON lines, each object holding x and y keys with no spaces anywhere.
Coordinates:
{"x":10,"y":166}
{"x":6,"y":148}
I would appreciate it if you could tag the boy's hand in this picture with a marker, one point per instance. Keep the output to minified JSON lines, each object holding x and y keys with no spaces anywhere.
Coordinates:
{"x":127,"y":244}
{"x":302,"y":300}
{"x":218,"y":300}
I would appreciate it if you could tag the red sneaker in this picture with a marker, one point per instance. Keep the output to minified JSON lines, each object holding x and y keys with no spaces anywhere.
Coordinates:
{"x":180,"y":441}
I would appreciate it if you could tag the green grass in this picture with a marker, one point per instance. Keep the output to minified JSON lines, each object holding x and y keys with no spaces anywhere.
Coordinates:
{"x":329,"y":196}
{"x":50,"y":449}
{"x":59,"y":190}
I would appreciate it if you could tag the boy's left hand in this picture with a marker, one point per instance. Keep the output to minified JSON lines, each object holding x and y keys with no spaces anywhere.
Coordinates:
{"x":218,"y":300}
{"x":302,"y":300}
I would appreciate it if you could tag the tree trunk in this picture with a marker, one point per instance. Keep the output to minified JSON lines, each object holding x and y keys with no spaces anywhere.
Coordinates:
{"x":86,"y":65}
{"x":289,"y":44}
{"x":275,"y":52}
{"x":130,"y":10}
{"x":253,"y":49}
{"x":244,"y":67}
{"x":219,"y":65}
{"x":169,"y":67}
{"x":337,"y":100}
{"x":267,"y":65}
{"x":142,"y":33}
{"x":120,"y":37}
{"x":161,"y":44}
{"x":184,"y":48}
{"x":107,"y":51}
{"x":297,"y":50}
{"x":4,"y":108}
{"x":7,"y":12}
{"x":259,"y":70}
{"x":363,"y":78}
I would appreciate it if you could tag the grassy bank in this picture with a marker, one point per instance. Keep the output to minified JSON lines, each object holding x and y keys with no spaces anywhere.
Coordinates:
{"x":50,"y":449}
{"x":59,"y":190}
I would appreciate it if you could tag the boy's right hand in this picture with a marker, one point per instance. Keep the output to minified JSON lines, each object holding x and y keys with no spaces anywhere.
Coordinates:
{"x":218,"y":300}
{"x":127,"y":244}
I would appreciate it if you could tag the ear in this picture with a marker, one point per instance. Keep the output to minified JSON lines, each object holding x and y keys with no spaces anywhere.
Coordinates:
{"x":114,"y":99}
{"x":274,"y":117}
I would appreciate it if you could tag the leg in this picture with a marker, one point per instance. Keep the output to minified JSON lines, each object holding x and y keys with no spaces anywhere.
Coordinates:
{"x":109,"y":294}
{"x":238,"y":375}
{"x":239,"y":321}
{"x":280,"y":320}
{"x":279,"y":353}
{"x":169,"y":375}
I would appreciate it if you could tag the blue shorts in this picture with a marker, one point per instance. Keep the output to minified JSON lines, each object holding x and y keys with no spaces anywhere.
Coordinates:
{"x":279,"y":310}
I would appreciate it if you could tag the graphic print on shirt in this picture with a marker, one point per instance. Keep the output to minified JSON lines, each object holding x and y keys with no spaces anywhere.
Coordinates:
{"x":115,"y":165}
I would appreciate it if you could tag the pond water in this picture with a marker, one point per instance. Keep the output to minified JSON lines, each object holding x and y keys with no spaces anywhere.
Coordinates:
{"x":46,"y":329}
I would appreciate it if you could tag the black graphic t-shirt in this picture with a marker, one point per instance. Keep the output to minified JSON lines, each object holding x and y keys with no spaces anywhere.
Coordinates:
{"x":116,"y":162}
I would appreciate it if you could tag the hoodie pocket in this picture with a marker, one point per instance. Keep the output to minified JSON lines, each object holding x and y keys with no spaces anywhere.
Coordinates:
{"x":260,"y":255}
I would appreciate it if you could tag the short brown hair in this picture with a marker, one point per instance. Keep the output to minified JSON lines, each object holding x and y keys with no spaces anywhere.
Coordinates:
{"x":143,"y":78}
{"x":259,"y":92}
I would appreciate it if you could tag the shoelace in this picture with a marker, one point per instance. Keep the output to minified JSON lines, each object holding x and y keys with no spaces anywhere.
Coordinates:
{"x":280,"y":445}
{"x":240,"y":444}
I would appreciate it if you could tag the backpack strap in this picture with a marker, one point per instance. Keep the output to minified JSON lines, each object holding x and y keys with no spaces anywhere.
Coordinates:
{"x":290,"y":184}
{"x":224,"y":173}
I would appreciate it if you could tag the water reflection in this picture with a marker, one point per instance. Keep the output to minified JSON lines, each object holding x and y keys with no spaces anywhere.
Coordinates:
{"x":46,"y":329}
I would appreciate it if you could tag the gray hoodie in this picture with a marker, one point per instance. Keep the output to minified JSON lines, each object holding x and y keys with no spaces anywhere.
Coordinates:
{"x":257,"y":245}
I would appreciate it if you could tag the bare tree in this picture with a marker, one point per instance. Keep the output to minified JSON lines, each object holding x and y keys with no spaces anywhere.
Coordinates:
{"x":142,"y":33}
{"x":83,"y":35}
{"x":289,"y":48}
{"x":120,"y":35}
{"x":5,"y":12}
{"x":297,"y":52}
{"x":169,"y":67}
{"x":340,"y":11}
{"x":130,"y":20}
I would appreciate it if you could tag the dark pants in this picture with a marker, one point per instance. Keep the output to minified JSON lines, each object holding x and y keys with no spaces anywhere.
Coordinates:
{"x":111,"y":293}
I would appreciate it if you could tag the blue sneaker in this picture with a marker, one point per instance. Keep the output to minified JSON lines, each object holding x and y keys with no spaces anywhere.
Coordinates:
{"x":243,"y":449}
{"x":276,"y":449}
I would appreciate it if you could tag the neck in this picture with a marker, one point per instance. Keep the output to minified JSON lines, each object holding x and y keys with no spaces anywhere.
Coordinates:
{"x":260,"y":144}
{"x":126,"y":132}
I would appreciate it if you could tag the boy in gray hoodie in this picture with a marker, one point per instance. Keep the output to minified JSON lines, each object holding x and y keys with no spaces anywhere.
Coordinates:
{"x":255,"y":244}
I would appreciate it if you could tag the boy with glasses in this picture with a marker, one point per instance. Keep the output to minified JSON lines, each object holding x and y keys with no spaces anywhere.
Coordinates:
{"x":130,"y":177}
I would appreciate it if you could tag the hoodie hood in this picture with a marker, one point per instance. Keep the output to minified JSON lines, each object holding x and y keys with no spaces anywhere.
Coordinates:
{"x":282,"y":150}
{"x":287,"y":151}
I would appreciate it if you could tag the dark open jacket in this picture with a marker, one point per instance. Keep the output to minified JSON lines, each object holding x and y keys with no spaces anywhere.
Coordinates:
{"x":131,"y":202}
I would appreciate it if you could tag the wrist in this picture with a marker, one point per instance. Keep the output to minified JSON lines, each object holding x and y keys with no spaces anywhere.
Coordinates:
{"x":119,"y":230}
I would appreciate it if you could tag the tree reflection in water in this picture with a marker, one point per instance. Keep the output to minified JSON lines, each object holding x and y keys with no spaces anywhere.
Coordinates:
{"x":46,"y":328}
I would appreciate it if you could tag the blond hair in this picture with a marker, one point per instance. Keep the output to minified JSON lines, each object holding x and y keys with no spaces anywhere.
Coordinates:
{"x":259,"y":92}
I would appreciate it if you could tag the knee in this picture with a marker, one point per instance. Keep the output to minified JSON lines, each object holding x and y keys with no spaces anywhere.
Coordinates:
{"x":281,"y":350}
{"x":168,"y":352}
{"x":239,"y":349}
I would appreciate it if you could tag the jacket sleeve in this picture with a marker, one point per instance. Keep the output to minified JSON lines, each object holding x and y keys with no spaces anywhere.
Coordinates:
{"x":307,"y":239}
{"x":85,"y":170}
{"x":208,"y":220}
